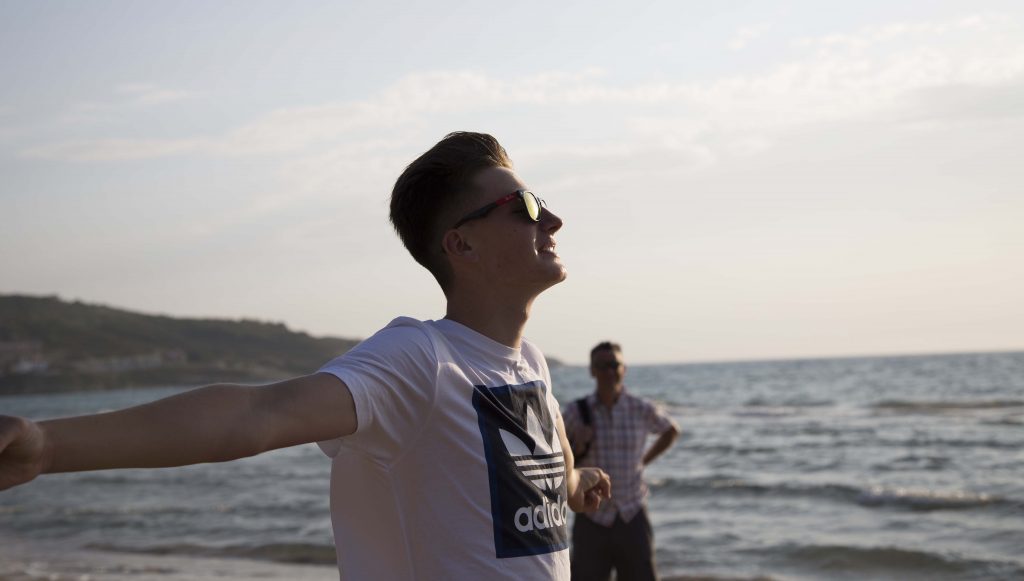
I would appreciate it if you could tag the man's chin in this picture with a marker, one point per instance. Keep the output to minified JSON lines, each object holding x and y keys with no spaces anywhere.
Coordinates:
{"x":557,"y":263}
{"x":556,"y":277}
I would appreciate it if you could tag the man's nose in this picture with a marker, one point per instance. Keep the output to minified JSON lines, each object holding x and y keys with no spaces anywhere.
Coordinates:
{"x":550,"y":221}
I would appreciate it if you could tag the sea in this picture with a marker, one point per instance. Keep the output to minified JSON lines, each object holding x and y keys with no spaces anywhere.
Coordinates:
{"x":850,"y":468}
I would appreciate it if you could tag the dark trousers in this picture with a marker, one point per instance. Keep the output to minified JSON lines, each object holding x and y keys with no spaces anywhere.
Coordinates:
{"x":627,"y":547}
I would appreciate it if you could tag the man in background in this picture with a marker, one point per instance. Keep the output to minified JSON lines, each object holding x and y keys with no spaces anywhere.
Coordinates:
{"x":609,"y":429}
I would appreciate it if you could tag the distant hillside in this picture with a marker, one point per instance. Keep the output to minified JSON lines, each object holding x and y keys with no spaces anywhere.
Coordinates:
{"x":47,"y":344}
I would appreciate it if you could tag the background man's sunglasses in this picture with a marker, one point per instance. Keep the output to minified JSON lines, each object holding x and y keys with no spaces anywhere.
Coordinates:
{"x":533,"y":206}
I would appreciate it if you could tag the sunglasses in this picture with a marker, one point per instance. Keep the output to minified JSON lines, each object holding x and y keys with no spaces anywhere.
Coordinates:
{"x":532,"y":202}
{"x":606,"y":365}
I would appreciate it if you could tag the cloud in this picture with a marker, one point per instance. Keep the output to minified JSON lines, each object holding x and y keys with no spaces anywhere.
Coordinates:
{"x":145,"y":94}
{"x":833,"y":78}
{"x":115,"y":149}
{"x":127,"y":96}
{"x":745,"y":34}
{"x":353,"y":170}
{"x":873,"y":35}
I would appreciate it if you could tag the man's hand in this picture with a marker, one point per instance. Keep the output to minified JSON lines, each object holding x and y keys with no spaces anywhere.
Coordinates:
{"x":22,"y":451}
{"x":593,"y":486}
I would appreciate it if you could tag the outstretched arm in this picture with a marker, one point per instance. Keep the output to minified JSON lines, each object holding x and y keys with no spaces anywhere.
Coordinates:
{"x":587,"y":487}
{"x":210,"y":424}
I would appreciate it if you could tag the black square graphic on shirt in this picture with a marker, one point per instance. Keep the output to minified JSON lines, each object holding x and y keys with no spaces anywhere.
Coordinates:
{"x":525,"y":467}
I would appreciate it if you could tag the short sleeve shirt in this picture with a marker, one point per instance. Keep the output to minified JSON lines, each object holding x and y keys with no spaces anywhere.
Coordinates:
{"x":620,"y":440}
{"x":455,"y":470}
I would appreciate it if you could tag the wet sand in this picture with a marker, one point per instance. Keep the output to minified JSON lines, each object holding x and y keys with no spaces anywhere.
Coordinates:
{"x":20,"y":561}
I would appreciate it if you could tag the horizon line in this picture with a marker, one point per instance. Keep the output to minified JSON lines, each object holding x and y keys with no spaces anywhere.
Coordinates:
{"x":561,"y":361}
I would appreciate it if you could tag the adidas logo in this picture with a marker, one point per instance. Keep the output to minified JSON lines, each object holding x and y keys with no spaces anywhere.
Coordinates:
{"x":526,"y":469}
{"x":545,"y":464}
{"x":545,"y":516}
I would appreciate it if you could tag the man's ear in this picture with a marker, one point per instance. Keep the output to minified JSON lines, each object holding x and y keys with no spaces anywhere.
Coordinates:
{"x":457,"y":246}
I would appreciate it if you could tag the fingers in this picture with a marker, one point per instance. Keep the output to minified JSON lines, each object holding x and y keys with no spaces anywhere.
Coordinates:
{"x":604,"y":486}
{"x":8,"y":473}
{"x":10,"y":427}
{"x":596,"y":486}
{"x":16,"y":466}
{"x":593,"y":498}
{"x":601,"y":479}
{"x":599,"y":482}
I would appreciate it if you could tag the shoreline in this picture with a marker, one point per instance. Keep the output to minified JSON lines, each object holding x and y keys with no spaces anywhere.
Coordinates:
{"x":53,"y":561}
{"x":22,"y":560}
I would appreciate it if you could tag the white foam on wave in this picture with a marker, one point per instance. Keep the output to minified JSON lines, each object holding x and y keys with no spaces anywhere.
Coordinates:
{"x":945,"y":406}
{"x":923,"y":499}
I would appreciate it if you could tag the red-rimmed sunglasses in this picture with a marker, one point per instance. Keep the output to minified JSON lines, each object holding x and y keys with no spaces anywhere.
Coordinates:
{"x":532,"y":202}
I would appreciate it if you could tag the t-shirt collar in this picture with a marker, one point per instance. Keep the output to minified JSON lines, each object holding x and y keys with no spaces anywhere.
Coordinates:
{"x":474,"y":341}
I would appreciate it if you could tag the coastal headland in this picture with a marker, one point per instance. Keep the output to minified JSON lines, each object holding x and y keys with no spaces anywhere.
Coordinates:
{"x":50,"y":345}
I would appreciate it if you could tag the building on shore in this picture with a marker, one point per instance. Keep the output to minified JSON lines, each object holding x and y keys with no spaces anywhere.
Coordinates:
{"x":21,"y":357}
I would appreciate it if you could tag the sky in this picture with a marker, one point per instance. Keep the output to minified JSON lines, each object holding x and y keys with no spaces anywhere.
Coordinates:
{"x":738,"y":180}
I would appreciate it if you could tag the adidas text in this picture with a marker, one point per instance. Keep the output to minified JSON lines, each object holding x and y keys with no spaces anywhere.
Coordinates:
{"x":546,"y":515}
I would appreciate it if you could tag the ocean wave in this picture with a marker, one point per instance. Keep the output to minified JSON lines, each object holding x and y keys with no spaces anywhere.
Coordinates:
{"x":943,"y":406}
{"x":888,"y":561}
{"x":789,"y":403}
{"x":867,"y":558}
{"x":292,"y":553}
{"x":875,"y":496}
{"x":1014,"y":420}
{"x":768,"y":412}
{"x":924,"y":499}
{"x":149,"y":511}
{"x":737,"y":449}
{"x":932,"y":442}
{"x":914,"y":462}
{"x":727,"y":484}
{"x":712,"y":577}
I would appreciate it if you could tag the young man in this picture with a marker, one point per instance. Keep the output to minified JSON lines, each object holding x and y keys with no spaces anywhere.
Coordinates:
{"x":449,"y":455}
{"x":609,"y":429}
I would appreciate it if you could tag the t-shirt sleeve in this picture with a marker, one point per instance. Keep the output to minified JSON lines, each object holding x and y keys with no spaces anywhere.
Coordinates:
{"x":392,"y":377}
{"x":658,"y":420}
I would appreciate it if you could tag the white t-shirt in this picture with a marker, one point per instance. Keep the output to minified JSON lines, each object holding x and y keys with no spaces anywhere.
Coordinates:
{"x":455,"y":470}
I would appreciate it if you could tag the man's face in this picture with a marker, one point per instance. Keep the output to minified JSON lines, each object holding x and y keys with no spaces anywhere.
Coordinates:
{"x":607,"y":367}
{"x":514,"y":251}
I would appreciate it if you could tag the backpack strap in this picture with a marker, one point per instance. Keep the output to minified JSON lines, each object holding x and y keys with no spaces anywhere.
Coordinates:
{"x":584,"y":410}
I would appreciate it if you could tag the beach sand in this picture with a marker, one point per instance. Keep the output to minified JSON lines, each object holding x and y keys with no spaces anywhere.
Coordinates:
{"x":20,"y":561}
{"x":52,"y":562}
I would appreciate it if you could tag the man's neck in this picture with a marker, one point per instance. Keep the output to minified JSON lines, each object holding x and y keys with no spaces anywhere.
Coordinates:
{"x":502,"y":321}
{"x":608,"y":395}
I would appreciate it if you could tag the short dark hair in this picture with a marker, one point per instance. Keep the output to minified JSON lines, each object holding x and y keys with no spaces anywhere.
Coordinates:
{"x":434,"y":184}
{"x":605,"y":346}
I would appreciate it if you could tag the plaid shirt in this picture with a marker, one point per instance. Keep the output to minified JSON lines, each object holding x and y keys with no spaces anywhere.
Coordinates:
{"x":618,"y":447}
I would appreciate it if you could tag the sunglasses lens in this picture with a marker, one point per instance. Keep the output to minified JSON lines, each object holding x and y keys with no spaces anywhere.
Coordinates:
{"x":532,"y":205}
